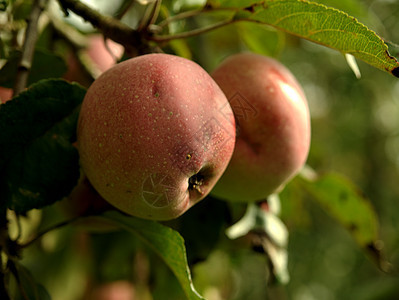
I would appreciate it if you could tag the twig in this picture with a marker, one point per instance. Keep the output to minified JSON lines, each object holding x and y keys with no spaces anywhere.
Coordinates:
{"x":194,"y":13}
{"x":149,"y":13}
{"x":28,"y":49}
{"x":194,"y":32}
{"x":156,"y":11}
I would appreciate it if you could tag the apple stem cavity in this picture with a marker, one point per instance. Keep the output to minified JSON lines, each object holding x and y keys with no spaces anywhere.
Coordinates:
{"x":195,"y":182}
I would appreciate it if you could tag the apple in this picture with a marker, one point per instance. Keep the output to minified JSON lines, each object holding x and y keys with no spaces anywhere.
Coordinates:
{"x":273,"y":122}
{"x":155,"y":133}
{"x":116,"y":290}
{"x":98,"y":56}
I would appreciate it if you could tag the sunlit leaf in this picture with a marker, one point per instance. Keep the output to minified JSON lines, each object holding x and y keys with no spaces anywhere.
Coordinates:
{"x":166,"y":242}
{"x":320,"y":24}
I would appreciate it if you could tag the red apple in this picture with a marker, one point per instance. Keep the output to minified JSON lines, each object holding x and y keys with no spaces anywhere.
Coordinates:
{"x":273,"y":124}
{"x":155,"y":133}
{"x":5,"y":94}
{"x":98,"y":56}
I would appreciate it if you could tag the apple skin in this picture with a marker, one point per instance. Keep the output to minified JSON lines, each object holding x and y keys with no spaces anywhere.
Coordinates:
{"x":155,"y":133}
{"x":117,"y":290}
{"x":273,"y":122}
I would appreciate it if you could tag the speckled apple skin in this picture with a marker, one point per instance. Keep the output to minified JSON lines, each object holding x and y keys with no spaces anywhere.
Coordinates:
{"x":273,"y":135}
{"x":146,"y":126}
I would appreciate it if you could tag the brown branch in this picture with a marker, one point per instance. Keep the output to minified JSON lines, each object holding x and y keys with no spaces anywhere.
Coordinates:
{"x":133,"y":40}
{"x":28,"y":49}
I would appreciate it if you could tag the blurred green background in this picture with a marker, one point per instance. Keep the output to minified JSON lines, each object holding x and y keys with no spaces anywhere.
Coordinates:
{"x":355,"y":131}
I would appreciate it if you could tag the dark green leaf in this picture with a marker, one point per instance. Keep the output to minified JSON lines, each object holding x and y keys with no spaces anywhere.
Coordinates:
{"x":45,"y":65}
{"x":3,"y":5}
{"x":213,"y":216}
{"x":167,"y":243}
{"x":45,"y":171}
{"x":39,"y":163}
{"x":34,"y":112}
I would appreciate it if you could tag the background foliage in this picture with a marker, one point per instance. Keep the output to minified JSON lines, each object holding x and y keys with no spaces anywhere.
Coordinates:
{"x":336,"y":247}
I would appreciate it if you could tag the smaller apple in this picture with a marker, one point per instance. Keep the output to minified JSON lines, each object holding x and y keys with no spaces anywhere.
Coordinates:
{"x":273,"y":124}
{"x":98,"y":56}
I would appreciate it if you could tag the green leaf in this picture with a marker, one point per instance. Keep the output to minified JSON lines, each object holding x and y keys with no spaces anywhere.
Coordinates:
{"x":45,"y":171}
{"x":342,"y":200}
{"x":37,"y":128}
{"x":34,"y":112}
{"x":166,"y":242}
{"x":45,"y":65}
{"x":320,"y":24}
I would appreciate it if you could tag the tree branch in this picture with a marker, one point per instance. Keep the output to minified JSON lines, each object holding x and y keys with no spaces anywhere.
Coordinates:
{"x":28,"y":49}
{"x":3,"y":242}
{"x":112,"y":28}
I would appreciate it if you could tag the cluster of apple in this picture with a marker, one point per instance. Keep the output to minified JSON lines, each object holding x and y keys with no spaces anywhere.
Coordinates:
{"x":157,"y":133}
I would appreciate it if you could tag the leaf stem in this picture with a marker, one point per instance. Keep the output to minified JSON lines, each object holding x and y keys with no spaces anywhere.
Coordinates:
{"x":54,"y":227}
{"x":191,"y":33}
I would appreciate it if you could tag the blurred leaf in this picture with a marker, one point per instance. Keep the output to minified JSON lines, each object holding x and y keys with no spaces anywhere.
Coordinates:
{"x":261,"y":39}
{"x":3,"y":5}
{"x":341,"y":199}
{"x":45,"y":65}
{"x":21,"y":9}
{"x":40,"y":165}
{"x":320,"y":24}
{"x":213,"y":215}
{"x":28,"y":287}
{"x":167,"y":243}
{"x":181,"y":48}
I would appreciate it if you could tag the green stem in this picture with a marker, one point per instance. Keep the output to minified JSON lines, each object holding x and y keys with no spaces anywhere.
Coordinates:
{"x":54,"y":227}
{"x":191,"y":33}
